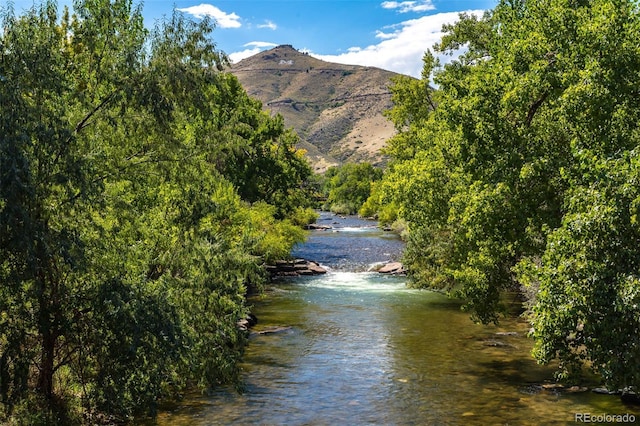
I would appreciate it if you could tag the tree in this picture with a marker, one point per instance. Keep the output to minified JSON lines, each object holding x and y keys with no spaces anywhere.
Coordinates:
{"x":516,"y":171}
{"x":46,"y":179}
{"x":348,"y":186}
{"x":126,"y":247}
{"x":586,"y":309}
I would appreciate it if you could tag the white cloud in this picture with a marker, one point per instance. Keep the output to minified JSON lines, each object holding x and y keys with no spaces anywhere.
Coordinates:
{"x":261,"y":44}
{"x":224,"y":19}
{"x":402,"y":50}
{"x":255,"y":47}
{"x":268,"y":24}
{"x":383,"y":35}
{"x":409,"y":6}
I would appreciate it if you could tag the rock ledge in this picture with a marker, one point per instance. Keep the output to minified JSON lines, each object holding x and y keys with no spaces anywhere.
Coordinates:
{"x":392,"y":268}
{"x":294,"y":268}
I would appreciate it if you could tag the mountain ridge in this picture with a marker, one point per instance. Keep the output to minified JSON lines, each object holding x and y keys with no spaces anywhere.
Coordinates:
{"x":336,"y":109}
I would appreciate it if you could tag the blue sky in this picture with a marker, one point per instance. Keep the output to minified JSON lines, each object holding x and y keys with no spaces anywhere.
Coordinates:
{"x":387,"y":34}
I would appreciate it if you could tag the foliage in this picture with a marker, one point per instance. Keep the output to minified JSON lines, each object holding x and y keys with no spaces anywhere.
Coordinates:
{"x":255,"y":151}
{"x":303,"y":216}
{"x":348,"y":186}
{"x":375,"y":205}
{"x":141,"y":191}
{"x":521,"y":168}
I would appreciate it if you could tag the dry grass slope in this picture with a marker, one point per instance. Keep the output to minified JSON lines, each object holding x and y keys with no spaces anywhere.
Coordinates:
{"x":336,"y":109}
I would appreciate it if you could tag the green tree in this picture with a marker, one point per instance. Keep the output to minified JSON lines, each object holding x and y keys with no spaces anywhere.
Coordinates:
{"x":47,"y":186}
{"x":518,"y":170}
{"x":586,"y":309}
{"x":126,"y":246}
{"x":253,"y":150}
{"x":348,"y":186}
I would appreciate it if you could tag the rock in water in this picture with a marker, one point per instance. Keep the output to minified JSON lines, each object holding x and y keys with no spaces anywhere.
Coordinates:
{"x":392,"y":268}
{"x":294,"y":268}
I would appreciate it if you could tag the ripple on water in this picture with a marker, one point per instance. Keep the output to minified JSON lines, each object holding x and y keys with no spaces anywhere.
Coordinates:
{"x":355,"y":281}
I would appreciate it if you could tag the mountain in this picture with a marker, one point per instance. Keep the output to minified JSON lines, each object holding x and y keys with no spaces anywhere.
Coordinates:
{"x":336,"y":109}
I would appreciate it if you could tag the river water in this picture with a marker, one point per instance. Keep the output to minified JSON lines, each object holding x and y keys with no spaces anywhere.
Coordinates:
{"x":358,"y":347}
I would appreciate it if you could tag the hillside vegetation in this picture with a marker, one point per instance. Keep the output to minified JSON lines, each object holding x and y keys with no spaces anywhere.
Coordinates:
{"x":336,"y":109}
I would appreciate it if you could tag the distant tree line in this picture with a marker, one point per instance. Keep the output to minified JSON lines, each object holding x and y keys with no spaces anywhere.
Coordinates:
{"x":347,"y":187}
{"x":141,"y":192}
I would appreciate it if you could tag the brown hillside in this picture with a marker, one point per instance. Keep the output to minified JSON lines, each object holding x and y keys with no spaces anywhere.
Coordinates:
{"x":336,"y":109}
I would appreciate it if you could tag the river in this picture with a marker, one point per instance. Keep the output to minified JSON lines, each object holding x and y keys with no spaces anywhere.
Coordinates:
{"x":358,"y":347}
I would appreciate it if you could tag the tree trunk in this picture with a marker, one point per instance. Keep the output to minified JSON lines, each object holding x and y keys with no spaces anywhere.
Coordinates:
{"x":45,"y":379}
{"x":48,"y":326}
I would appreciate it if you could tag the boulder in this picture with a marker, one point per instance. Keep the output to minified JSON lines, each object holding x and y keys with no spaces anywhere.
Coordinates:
{"x":316,"y":227}
{"x":605,"y":391}
{"x":312,"y":268}
{"x":630,"y":397}
{"x":246,"y":323}
{"x":392,"y":268}
{"x":294,"y":268}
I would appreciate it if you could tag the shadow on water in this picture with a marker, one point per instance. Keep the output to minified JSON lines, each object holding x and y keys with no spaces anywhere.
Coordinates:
{"x":355,"y":347}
